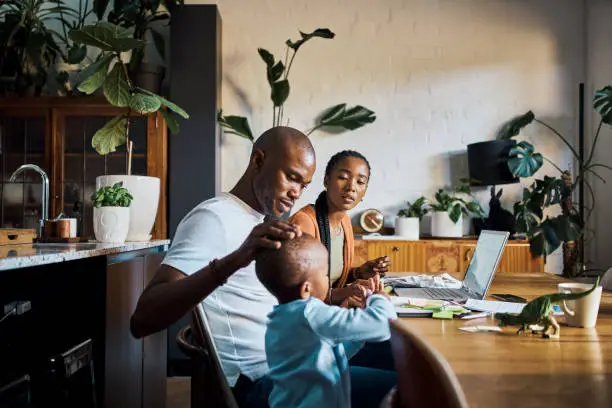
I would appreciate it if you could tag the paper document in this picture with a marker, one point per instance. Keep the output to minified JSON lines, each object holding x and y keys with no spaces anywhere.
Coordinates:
{"x":443,"y":280}
{"x":494,"y":306}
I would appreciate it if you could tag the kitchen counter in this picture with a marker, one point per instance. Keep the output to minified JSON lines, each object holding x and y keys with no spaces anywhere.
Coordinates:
{"x":27,"y":255}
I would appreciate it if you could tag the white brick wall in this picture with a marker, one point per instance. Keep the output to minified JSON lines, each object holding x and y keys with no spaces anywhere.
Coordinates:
{"x":439,"y":74}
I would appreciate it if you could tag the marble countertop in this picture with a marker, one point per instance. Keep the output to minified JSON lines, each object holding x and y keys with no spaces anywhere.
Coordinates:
{"x":26,"y":255}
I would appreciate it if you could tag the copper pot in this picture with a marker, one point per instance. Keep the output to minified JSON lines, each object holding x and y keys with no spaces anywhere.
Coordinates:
{"x":56,"y":228}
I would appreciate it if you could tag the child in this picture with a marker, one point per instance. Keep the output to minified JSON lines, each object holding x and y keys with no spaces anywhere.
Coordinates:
{"x":308,"y":342}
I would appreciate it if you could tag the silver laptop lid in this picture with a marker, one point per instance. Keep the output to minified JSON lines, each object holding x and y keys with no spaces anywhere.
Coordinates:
{"x":486,"y":257}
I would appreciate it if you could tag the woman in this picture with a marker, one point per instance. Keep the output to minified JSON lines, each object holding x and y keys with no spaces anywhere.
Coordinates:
{"x":346,"y":181}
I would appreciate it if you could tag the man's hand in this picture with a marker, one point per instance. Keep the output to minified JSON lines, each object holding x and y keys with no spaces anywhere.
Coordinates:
{"x":353,"y":295}
{"x":267,"y":235}
{"x":374,"y":267}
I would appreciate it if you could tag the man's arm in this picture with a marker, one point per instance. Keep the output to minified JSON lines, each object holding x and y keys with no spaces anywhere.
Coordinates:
{"x":171,"y":294}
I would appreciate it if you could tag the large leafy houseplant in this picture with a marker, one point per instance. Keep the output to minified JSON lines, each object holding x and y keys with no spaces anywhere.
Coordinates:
{"x":546,"y":233}
{"x":339,"y":116}
{"x":110,"y":73}
{"x":29,"y":47}
{"x":141,"y":17}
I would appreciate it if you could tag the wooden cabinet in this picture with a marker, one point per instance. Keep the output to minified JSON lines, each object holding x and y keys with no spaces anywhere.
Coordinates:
{"x":134,"y":369}
{"x":55,"y":133}
{"x":443,"y":255}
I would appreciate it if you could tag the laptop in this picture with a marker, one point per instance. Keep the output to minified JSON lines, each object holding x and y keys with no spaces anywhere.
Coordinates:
{"x":489,"y":249}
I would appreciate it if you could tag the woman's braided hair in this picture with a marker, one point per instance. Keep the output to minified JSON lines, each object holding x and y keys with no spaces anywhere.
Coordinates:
{"x":320,"y":206}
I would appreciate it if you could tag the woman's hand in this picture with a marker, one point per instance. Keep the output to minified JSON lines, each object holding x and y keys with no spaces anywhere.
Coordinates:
{"x":379,"y":266}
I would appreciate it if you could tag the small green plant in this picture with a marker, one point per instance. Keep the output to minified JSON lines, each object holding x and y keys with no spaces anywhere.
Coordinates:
{"x":449,"y":201}
{"x":112,"y":196}
{"x":415,"y":210}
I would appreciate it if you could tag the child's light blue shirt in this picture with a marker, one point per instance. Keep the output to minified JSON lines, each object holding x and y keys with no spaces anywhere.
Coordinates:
{"x":308,"y":344}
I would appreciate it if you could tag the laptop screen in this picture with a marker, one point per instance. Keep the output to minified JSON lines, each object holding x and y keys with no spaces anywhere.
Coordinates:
{"x":485,"y":259}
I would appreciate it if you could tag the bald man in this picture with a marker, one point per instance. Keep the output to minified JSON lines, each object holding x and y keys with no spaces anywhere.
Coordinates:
{"x":210,"y":259}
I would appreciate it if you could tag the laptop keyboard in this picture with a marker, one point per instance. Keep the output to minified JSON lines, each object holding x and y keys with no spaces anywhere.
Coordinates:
{"x":442,"y":293}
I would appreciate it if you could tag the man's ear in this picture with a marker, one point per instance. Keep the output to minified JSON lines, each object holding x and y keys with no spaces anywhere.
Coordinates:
{"x":305,"y":290}
{"x":257,"y":159}
{"x":325,"y":181}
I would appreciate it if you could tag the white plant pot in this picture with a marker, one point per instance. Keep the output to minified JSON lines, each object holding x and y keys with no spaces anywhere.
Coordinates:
{"x":443,"y":226}
{"x":111,"y":224}
{"x":407,"y":227}
{"x":143,"y":208}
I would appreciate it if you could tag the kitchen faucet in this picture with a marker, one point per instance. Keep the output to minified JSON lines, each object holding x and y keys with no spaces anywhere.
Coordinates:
{"x":45,"y":191}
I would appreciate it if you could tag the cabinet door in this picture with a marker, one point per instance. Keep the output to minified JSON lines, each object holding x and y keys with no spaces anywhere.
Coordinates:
{"x":24,"y":139}
{"x":154,"y":352}
{"x":515,"y":259}
{"x":79,"y":164}
{"x":406,"y":256}
{"x":123,"y":359}
{"x":442,"y":256}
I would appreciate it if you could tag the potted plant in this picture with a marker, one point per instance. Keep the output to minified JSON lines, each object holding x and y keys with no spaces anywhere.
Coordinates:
{"x":546,"y":233}
{"x":408,"y":219}
{"x":111,"y":213}
{"x":338,"y":117}
{"x":448,"y":210}
{"x":141,"y":17}
{"x":30,"y":48}
{"x":111,"y":74}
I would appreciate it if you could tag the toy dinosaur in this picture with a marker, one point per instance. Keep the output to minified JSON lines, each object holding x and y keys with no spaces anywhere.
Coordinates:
{"x":539,"y":312}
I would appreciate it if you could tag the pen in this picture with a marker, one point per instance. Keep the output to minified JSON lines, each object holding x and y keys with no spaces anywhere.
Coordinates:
{"x":476,"y":315}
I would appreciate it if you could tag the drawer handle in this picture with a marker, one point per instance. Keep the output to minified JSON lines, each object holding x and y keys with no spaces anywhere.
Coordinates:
{"x":12,"y":236}
{"x":468,"y":254}
{"x":395,"y":249}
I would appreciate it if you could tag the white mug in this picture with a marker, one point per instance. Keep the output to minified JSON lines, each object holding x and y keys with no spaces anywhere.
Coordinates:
{"x":580,"y":312}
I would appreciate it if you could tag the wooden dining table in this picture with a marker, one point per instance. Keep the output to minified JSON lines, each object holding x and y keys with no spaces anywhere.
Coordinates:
{"x":498,"y":370}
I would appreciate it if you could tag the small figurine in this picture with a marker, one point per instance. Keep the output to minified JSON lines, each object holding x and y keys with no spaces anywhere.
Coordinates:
{"x":540,"y":312}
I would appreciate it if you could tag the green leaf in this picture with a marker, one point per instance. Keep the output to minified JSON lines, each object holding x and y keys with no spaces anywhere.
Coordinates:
{"x":116,"y":31}
{"x":524,"y":219}
{"x":522,"y":161}
{"x":280,"y":92}
{"x":160,"y":43}
{"x":567,"y":227}
{"x":349,"y":119}
{"x":116,"y":89}
{"x":545,"y":241}
{"x":236,"y":125}
{"x":144,"y":104}
{"x":170,"y":105}
{"x":171,"y":122}
{"x":515,"y":125}
{"x":112,"y":196}
{"x":105,"y":36}
{"x":94,"y":75}
{"x":275,"y":72}
{"x":602,"y":102}
{"x":266,"y":56}
{"x":455,"y":212}
{"x":110,"y":136}
{"x":76,"y":54}
{"x":319,"y":32}
{"x":99,"y":7}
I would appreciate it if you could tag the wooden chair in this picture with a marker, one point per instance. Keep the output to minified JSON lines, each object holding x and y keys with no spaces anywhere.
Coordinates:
{"x":425,"y":378}
{"x":209,"y":387}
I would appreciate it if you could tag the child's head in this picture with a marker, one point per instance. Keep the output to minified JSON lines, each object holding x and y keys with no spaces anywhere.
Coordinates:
{"x":298,"y":270}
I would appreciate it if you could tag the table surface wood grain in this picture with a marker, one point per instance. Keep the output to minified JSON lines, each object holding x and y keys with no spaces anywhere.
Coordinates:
{"x":509,"y":370}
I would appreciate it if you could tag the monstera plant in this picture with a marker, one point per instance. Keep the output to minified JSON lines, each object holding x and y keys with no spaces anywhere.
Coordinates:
{"x":339,"y":117}
{"x":546,"y":233}
{"x":110,"y":73}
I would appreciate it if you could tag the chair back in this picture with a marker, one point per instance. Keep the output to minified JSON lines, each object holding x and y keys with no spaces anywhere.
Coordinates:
{"x":209,"y":387}
{"x":425,"y":379}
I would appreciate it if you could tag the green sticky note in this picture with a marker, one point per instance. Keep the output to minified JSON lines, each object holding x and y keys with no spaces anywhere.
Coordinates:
{"x":443,"y":314}
{"x":455,"y":309}
{"x":388,"y":289}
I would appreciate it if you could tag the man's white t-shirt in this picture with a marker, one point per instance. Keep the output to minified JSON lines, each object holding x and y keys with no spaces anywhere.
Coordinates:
{"x":236,"y":311}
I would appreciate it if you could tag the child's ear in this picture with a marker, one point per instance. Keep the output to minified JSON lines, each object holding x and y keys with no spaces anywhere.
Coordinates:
{"x":305,"y":290}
